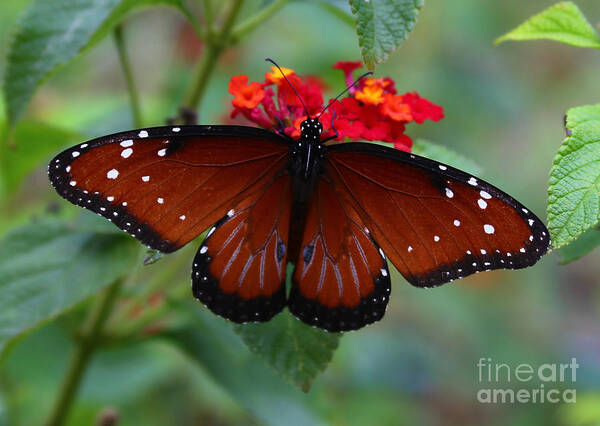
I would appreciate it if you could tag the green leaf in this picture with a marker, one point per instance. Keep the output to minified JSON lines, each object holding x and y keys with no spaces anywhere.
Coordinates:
{"x":586,"y":242}
{"x":30,"y":144}
{"x":574,"y":187}
{"x":382,"y":25}
{"x":211,"y":342}
{"x":444,"y":155}
{"x":562,"y":22}
{"x":295,"y":350}
{"x":51,"y":33}
{"x":49,"y":266}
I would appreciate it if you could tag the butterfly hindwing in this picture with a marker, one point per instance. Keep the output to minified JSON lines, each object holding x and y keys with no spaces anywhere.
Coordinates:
{"x":239,"y":270}
{"x":166,"y":185}
{"x":435,"y":222}
{"x":341,"y":280}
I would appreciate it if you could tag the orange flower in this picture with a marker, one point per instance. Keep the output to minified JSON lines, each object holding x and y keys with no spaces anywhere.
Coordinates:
{"x":394,"y":108}
{"x":372,"y":91}
{"x":245,"y":95}
{"x":275,"y":76}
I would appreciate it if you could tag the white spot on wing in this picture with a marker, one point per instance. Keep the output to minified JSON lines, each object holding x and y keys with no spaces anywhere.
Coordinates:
{"x":482,"y":204}
{"x":72,"y":183}
{"x":83,"y":145}
{"x":449,"y":193}
{"x":160,"y":200}
{"x":182,"y":217}
{"x":483,"y":251}
{"x":143,"y":134}
{"x":162,"y":152}
{"x":75,"y":154}
{"x":110,"y":198}
{"x":530,"y":222}
{"x":489,"y":229}
{"x":436,"y":238}
{"x":472,"y":181}
{"x":485,"y":195}
{"x":442,"y":167}
{"x":176,"y":129}
{"x":203,"y":249}
{"x":112,"y":174}
{"x":410,"y":249}
{"x":126,"y":152}
{"x":456,"y":222}
{"x":230,"y":213}
{"x":68,"y":169}
{"x":522,"y":249}
{"x":145,"y":178}
{"x":126,"y":143}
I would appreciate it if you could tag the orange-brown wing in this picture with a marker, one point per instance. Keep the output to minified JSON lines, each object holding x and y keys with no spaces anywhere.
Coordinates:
{"x":239,"y":270}
{"x":435,"y":223}
{"x":166,"y":185}
{"x":341,"y":280}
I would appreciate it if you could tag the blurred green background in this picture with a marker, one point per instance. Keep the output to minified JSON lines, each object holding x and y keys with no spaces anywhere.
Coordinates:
{"x":504,"y":110}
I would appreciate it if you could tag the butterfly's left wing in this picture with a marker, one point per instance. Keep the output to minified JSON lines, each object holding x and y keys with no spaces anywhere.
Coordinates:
{"x":239,"y":270}
{"x":434,"y":222}
{"x":166,"y":185}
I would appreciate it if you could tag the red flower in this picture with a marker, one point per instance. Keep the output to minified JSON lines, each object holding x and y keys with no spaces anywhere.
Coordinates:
{"x":422,"y":109}
{"x":372,"y":111}
{"x":348,"y":68}
{"x":246,"y":95}
{"x":371,"y":91}
{"x":396,"y":109}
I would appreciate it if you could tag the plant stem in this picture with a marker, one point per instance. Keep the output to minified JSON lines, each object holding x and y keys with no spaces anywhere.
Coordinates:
{"x":85,"y":347}
{"x":215,"y":45}
{"x":208,"y":17}
{"x":129,"y":80}
{"x":253,"y":22}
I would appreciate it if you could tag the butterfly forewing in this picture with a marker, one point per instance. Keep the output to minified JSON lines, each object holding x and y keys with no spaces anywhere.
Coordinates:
{"x":434,"y":222}
{"x":166,"y":185}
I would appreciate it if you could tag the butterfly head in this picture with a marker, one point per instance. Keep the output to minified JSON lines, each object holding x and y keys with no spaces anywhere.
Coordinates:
{"x":311,"y":130}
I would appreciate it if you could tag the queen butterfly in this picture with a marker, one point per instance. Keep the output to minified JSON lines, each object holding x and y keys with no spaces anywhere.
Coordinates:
{"x":337,"y":212}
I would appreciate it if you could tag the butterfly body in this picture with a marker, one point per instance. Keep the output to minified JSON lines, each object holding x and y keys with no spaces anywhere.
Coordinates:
{"x":338,"y":213}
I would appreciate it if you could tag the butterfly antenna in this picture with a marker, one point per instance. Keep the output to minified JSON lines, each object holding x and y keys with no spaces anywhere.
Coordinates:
{"x":291,"y":85}
{"x":344,"y":91}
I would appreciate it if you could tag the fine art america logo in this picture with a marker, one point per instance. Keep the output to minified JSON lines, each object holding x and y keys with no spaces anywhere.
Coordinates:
{"x":526,"y":383}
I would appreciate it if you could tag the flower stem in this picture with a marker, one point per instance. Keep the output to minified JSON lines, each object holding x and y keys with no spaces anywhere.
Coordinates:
{"x":253,"y":22}
{"x":126,"y":66}
{"x":215,"y":45}
{"x":85,"y":347}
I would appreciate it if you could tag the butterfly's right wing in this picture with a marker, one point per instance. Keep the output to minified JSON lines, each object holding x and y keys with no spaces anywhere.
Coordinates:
{"x":341,"y":280}
{"x":434,"y":222}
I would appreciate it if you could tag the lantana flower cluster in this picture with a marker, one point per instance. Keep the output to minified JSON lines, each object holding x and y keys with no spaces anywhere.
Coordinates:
{"x":371,"y":111}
